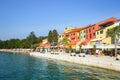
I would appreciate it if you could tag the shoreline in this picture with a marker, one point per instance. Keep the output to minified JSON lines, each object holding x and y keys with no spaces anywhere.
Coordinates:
{"x":23,"y":51}
{"x":105,"y":62}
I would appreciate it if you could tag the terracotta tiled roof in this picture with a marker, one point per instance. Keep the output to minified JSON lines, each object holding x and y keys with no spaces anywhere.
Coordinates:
{"x":112,"y":19}
{"x":44,"y":45}
{"x":75,"y":30}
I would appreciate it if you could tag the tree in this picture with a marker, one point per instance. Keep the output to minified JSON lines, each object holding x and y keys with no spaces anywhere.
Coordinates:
{"x":113,"y":32}
{"x":40,"y":38}
{"x":50,"y":36}
{"x":70,"y":49}
{"x":65,"y":41}
{"x":29,"y":42}
{"x":80,"y":48}
{"x":25,"y":44}
{"x":34,"y":46}
{"x":32,"y":39}
{"x":94,"y":49}
{"x":55,"y":36}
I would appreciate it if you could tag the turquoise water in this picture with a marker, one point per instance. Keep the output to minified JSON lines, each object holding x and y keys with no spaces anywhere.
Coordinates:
{"x":24,"y":67}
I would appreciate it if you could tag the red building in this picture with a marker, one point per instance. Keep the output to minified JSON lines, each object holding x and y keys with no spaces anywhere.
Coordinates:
{"x":91,"y":29}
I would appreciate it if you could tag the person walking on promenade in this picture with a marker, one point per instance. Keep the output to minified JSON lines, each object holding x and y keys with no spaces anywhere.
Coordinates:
{"x":97,"y":52}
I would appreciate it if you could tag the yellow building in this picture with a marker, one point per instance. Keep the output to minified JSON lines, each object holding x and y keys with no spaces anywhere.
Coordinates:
{"x":102,"y":32}
{"x":68,"y":28}
{"x":83,"y":35}
{"x":60,"y":37}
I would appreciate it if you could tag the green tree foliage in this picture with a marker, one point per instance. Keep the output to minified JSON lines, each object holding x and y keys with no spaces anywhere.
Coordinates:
{"x":39,"y":39}
{"x":112,"y":32}
{"x":50,"y":36}
{"x":32,"y":39}
{"x":53,"y":36}
{"x":30,"y":42}
{"x":65,"y":41}
{"x":12,"y":43}
{"x":25,"y":44}
{"x":94,"y":49}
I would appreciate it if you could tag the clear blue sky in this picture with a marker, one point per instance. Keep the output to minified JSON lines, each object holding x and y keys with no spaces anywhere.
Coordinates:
{"x":19,"y":17}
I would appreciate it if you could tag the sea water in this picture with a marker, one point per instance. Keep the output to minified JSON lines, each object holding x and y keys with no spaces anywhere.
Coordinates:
{"x":15,"y":66}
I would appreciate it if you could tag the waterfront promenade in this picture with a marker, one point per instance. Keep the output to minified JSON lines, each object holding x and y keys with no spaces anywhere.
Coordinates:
{"x":106,"y":62}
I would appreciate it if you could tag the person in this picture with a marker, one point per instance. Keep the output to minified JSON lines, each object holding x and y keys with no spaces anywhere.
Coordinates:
{"x":100,"y":52}
{"x":85,"y":51}
{"x":97,"y":51}
{"x":111,"y":53}
{"x":90,"y":51}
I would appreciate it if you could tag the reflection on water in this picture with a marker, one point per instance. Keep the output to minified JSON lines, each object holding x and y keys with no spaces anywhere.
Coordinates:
{"x":25,"y":67}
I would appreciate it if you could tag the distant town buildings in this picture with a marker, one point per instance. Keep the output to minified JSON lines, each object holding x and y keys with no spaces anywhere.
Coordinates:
{"x":94,"y":34}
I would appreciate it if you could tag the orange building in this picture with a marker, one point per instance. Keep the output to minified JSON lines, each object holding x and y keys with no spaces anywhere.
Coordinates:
{"x":73,"y":36}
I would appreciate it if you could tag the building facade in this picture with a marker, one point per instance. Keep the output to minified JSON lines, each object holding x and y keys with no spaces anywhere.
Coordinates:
{"x":74,"y":36}
{"x":99,"y":34}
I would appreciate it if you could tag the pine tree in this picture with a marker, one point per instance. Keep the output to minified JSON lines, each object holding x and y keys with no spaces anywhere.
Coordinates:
{"x":50,"y":36}
{"x":55,"y":36}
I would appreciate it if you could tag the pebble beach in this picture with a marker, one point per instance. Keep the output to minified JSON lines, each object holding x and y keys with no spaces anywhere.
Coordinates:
{"x":106,"y":62}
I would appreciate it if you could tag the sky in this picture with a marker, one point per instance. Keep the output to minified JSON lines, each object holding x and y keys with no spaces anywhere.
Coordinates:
{"x":19,"y":17}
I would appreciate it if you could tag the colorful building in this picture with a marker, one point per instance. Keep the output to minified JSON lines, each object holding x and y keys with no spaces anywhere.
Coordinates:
{"x":91,"y":30}
{"x":90,"y":34}
{"x":73,"y":36}
{"x":101,"y":32}
{"x":44,"y":43}
{"x":60,"y":37}
{"x":68,"y":28}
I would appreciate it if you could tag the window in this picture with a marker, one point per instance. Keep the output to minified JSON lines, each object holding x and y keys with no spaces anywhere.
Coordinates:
{"x":84,"y":36}
{"x":93,"y":34}
{"x":67,"y":35}
{"x":84,"y":31}
{"x":101,"y":31}
{"x":72,"y":38}
{"x":93,"y":28}
{"x":90,"y":35}
{"x":97,"y":32}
